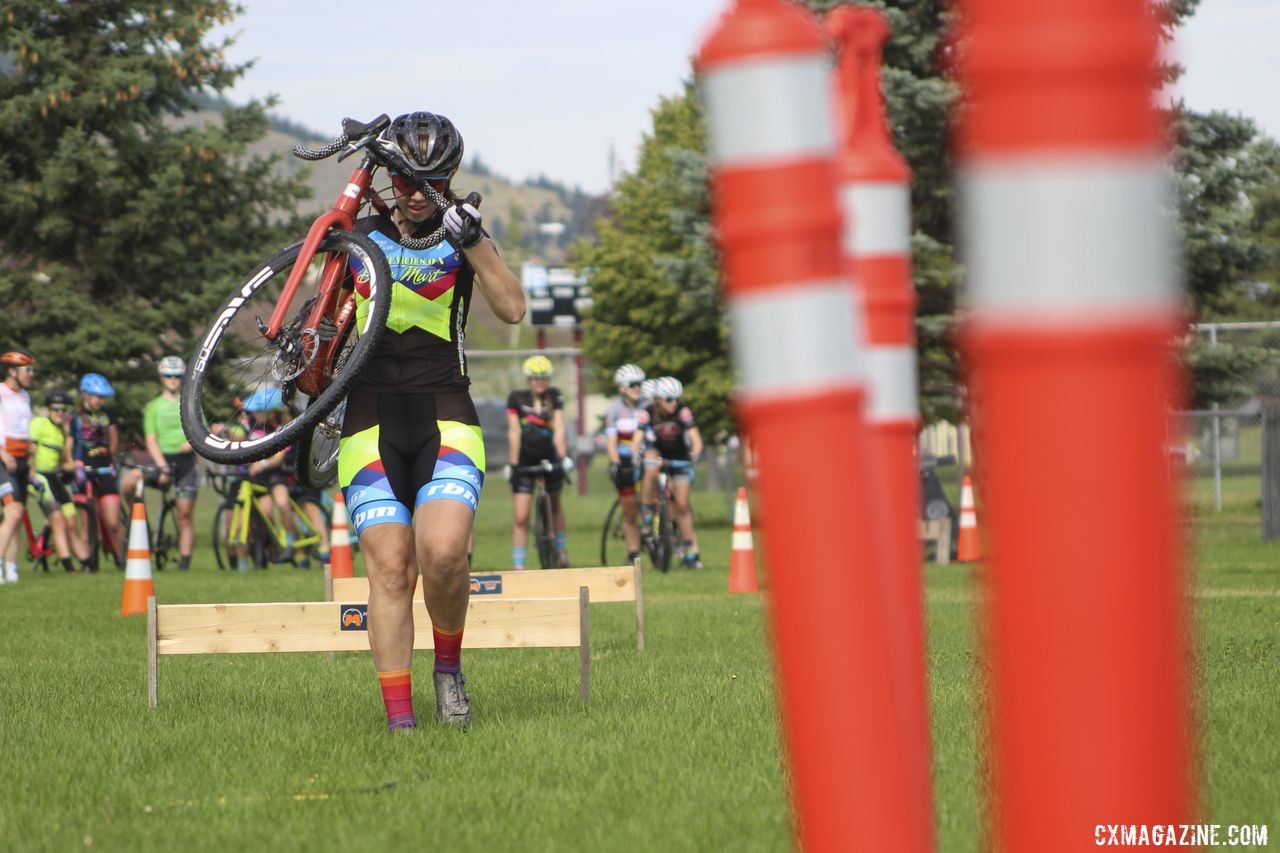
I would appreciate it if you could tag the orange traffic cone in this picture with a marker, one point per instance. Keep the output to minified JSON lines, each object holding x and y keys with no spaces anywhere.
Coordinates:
{"x":340,"y":565}
{"x":137,"y":568}
{"x":742,"y":562}
{"x":967,"y":548}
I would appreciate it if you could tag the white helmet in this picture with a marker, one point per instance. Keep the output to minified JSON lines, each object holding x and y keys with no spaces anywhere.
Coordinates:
{"x":627,"y":374}
{"x":668,"y":388}
{"x":646,"y":389}
{"x":171,"y":365}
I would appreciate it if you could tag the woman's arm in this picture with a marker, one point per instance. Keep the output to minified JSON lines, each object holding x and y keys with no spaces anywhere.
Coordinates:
{"x":557,"y":433}
{"x":695,"y":442}
{"x":500,"y":286}
{"x":513,"y":439}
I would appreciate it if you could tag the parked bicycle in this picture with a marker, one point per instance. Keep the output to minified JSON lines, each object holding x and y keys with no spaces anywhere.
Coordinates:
{"x":162,"y":535}
{"x":242,"y":527}
{"x":91,"y":527}
{"x":659,"y":539}
{"x":39,"y":548}
{"x":295,"y":322}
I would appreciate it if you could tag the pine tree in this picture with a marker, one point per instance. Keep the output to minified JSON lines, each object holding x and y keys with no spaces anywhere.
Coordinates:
{"x":654,"y":279}
{"x":129,"y":216}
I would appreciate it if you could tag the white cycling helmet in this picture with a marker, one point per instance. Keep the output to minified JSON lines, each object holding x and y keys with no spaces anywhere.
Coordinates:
{"x":646,"y":389}
{"x":627,"y":374}
{"x":171,"y":365}
{"x":668,"y":388}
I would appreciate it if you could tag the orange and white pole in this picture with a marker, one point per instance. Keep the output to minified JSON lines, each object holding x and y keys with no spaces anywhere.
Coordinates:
{"x":1074,"y":300}
{"x":799,"y":354}
{"x":875,"y":194}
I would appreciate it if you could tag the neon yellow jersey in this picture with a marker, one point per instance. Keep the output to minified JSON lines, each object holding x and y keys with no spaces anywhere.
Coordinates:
{"x":422,"y":347}
{"x":48,"y":440}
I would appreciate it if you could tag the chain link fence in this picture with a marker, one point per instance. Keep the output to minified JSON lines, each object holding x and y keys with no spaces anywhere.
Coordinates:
{"x":1235,"y":369}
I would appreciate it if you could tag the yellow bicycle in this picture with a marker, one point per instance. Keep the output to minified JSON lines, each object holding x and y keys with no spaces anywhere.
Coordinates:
{"x":241,"y":525}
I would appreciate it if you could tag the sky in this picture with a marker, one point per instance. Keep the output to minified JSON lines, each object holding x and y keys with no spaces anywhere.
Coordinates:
{"x":550,"y":87}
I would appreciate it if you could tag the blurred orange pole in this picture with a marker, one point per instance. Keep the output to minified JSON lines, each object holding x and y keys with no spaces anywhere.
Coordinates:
{"x":798,"y":349}
{"x":1074,"y":300}
{"x":875,"y":193}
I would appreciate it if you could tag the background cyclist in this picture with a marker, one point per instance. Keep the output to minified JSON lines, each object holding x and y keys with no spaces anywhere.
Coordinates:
{"x":671,"y":433}
{"x":620,"y":422}
{"x":19,"y":367}
{"x":535,"y":432}
{"x":265,"y":407}
{"x":92,"y":441}
{"x":171,"y":452}
{"x":53,"y":463}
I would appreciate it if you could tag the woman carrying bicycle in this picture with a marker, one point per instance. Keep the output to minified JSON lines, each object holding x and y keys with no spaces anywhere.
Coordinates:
{"x":411,"y":458}
{"x":92,"y":442}
{"x":671,"y":437}
{"x":535,"y":433}
{"x":620,"y":422}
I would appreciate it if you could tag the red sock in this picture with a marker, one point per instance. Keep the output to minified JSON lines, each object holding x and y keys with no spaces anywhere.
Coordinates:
{"x":448,"y":649}
{"x":397,"y":695}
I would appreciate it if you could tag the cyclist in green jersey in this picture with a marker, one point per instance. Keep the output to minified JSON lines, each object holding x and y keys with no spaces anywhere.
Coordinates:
{"x":171,"y":453}
{"x":52,"y":464}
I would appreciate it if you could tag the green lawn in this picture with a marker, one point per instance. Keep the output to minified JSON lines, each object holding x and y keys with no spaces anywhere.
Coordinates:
{"x":678,"y":749}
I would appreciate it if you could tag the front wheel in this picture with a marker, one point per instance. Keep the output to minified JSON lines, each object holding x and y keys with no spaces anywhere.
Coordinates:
{"x":164,"y":539}
{"x":234,"y":358}
{"x":544,"y":533}
{"x":613,"y":539}
{"x":221,"y":528}
{"x":662,"y":545}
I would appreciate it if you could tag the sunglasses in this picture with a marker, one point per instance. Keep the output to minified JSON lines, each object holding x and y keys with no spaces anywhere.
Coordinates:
{"x":63,"y":409}
{"x":670,"y":399}
{"x":635,"y":384}
{"x":404,"y":186}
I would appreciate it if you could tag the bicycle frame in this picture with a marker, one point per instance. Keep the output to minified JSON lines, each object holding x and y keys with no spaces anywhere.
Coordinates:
{"x":341,"y":216}
{"x":246,"y":504}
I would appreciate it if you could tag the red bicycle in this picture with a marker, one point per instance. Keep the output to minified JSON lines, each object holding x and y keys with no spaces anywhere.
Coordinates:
{"x":39,"y":548}
{"x":307,"y":321}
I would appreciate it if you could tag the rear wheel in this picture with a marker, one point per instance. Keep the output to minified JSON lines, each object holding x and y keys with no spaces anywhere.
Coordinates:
{"x":234,"y":358}
{"x":318,"y":450}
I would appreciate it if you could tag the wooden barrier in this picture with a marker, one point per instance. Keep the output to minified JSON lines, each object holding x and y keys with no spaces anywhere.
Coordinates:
{"x":334,"y":626}
{"x":607,"y":584}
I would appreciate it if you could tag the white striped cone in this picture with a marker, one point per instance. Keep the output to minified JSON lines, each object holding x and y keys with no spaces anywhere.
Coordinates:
{"x":968,"y":548}
{"x":742,"y":561}
{"x":138,"y":586}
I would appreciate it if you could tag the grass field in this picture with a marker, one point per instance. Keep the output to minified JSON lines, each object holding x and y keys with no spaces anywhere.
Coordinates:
{"x":677,"y":751}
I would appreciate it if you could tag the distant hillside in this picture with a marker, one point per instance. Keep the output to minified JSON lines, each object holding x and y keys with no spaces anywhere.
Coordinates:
{"x":512,"y":211}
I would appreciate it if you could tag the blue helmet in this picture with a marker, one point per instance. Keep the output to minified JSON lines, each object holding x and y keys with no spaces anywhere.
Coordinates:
{"x":97,"y":384}
{"x":264,"y":399}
